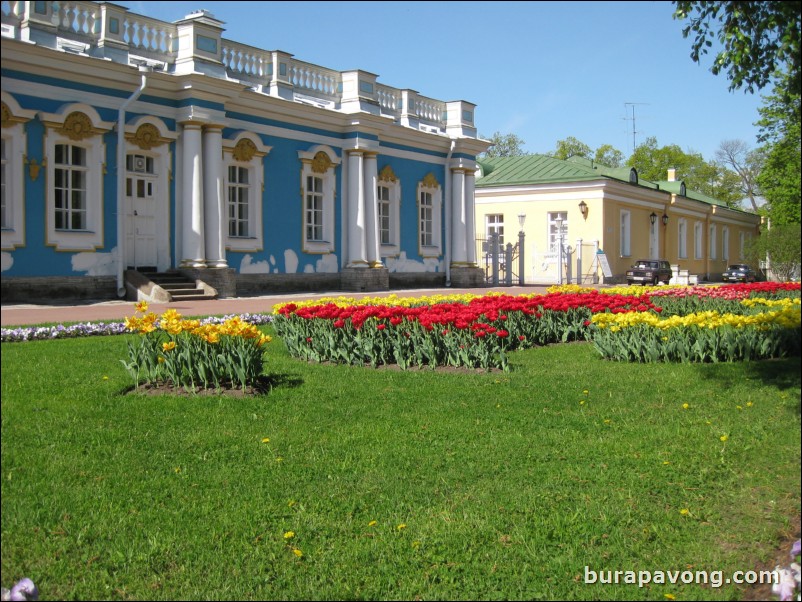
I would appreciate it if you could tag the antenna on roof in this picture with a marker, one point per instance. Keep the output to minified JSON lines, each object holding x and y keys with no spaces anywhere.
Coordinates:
{"x":634,"y":131}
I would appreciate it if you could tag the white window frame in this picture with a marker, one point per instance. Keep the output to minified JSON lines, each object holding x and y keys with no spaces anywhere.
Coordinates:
{"x":741,"y":245}
{"x":14,"y":176}
{"x":245,"y":152}
{"x":13,"y":230}
{"x":494,"y":224}
{"x":682,"y":242}
{"x":725,"y":243}
{"x":62,"y":130}
{"x":320,"y":162}
{"x":625,"y":233}
{"x":392,"y":186}
{"x":698,"y":250}
{"x":553,"y":235}
{"x":431,"y":187}
{"x":712,"y":235}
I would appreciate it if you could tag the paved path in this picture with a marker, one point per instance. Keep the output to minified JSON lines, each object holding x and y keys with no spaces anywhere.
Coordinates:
{"x":97,"y":311}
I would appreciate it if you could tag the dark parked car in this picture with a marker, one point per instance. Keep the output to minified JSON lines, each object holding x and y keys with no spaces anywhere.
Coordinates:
{"x":649,"y":271}
{"x":739,"y":272}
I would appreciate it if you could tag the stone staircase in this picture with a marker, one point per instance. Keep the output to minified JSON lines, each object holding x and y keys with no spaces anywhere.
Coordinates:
{"x":166,"y":287}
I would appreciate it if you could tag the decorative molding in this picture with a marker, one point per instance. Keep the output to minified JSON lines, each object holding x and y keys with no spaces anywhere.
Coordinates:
{"x":321,"y":163}
{"x":146,"y":137}
{"x":8,"y":119}
{"x":429,"y":181}
{"x":33,"y":167}
{"x":387,"y":175}
{"x":245,"y":151}
{"x":77,"y":126}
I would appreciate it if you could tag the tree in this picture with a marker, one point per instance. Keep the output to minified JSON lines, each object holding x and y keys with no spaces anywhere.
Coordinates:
{"x":653,"y":163}
{"x":745,"y":162}
{"x":780,"y":179}
{"x":758,"y":39}
{"x":609,"y":156}
{"x":504,"y":145}
{"x":781,"y":244}
{"x":570,"y":147}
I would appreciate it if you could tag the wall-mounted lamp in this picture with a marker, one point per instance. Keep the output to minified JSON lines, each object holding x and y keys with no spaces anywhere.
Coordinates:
{"x":521,"y":221}
{"x":653,"y":218}
{"x":665,"y":219}
{"x":583,"y":208}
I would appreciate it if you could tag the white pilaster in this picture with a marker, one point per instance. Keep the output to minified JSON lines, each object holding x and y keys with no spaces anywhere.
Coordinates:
{"x":371,"y":174}
{"x":213,"y":196}
{"x":459,"y":255}
{"x":470,"y":213}
{"x":192,"y":253}
{"x":357,"y":252}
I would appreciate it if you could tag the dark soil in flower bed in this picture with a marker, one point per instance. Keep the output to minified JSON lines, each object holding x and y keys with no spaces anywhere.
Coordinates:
{"x":262,"y":387}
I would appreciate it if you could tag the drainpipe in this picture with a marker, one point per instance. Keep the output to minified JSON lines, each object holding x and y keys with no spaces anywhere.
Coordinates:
{"x":144,"y":70}
{"x":449,"y":209}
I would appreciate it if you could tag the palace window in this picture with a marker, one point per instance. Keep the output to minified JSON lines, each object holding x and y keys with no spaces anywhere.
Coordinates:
{"x":429,"y":219}
{"x":243,"y":185}
{"x":69,"y":187}
{"x":239,"y":192}
{"x":388,"y":195}
{"x":76,"y":159}
{"x":318,"y":183}
{"x":14,"y":174}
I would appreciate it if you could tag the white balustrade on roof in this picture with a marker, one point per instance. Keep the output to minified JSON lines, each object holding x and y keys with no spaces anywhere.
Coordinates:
{"x":112,"y":32}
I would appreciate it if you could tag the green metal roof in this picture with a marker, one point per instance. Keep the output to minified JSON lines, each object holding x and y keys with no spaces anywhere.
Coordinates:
{"x":542,"y":169}
{"x":530,"y":169}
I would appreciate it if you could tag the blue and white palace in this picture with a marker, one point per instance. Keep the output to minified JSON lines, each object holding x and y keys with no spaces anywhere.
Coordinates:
{"x":132,"y":146}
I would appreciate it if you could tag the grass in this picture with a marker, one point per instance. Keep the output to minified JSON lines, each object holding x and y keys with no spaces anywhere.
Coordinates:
{"x":481,"y":485}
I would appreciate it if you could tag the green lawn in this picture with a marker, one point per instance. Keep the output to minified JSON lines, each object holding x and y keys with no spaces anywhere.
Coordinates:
{"x":481,"y":485}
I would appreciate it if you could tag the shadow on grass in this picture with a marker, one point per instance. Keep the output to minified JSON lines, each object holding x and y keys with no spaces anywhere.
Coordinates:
{"x":784,"y":374}
{"x":264,"y":385}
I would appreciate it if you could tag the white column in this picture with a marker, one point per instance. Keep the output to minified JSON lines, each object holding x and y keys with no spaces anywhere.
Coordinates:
{"x":372,"y":240}
{"x":357,"y":256}
{"x":459,"y":255}
{"x":470,"y":214}
{"x":192,"y":252}
{"x":213,"y":196}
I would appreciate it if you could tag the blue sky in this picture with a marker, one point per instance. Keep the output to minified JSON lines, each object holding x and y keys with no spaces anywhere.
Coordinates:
{"x":541,"y":70}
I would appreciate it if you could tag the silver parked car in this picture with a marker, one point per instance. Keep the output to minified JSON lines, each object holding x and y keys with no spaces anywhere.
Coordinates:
{"x":739,"y":272}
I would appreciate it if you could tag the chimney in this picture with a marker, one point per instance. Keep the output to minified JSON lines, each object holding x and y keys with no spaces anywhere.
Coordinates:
{"x":672,"y":174}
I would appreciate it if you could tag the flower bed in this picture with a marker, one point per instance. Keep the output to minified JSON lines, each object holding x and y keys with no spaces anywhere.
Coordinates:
{"x":186,"y":353}
{"x":479,"y":332}
{"x":89,"y":329}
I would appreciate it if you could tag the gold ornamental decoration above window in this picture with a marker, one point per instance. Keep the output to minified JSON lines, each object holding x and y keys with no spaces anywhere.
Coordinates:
{"x":430,"y":181}
{"x":77,"y":126}
{"x":321,"y":163}
{"x":244,"y":151}
{"x":387,"y":175}
{"x":147,"y":136}
{"x":6,"y":116}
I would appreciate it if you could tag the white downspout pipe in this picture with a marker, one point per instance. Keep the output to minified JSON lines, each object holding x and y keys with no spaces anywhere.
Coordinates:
{"x":449,"y":209}
{"x":121,"y":182}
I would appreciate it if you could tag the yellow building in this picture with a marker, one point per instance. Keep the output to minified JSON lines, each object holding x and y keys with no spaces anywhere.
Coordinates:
{"x":600,"y":213}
